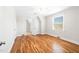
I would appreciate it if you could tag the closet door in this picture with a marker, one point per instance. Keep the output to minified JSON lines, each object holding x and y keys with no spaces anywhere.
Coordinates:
{"x":7,"y":27}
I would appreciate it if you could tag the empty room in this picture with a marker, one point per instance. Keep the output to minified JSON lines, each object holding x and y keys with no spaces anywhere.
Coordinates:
{"x":39,"y":29}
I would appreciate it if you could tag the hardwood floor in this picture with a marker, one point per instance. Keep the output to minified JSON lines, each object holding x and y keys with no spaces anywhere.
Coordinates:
{"x":42,"y":43}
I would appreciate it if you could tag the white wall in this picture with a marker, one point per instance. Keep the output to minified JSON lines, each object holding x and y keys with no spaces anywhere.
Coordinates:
{"x":71,"y":24}
{"x":43,"y":24}
{"x":37,"y":25}
{"x":7,"y":27}
{"x":21,"y":25}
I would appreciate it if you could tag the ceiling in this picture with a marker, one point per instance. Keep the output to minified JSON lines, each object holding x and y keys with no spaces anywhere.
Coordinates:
{"x":40,"y":10}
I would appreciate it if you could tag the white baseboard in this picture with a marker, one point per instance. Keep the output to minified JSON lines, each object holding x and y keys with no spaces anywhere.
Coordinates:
{"x":67,"y":39}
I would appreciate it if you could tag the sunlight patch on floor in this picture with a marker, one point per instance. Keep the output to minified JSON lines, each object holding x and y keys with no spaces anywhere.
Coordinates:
{"x":57,"y":48}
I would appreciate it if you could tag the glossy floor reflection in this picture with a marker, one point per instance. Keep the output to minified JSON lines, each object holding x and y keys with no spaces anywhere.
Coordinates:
{"x":43,"y":43}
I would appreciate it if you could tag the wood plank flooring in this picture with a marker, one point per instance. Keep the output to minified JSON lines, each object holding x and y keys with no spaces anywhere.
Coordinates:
{"x":42,"y":43}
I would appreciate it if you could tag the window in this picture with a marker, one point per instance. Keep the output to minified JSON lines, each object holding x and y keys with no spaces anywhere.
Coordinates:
{"x":58,"y":23}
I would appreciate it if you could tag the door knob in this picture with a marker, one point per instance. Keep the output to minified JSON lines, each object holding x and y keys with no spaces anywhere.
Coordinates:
{"x":1,"y":43}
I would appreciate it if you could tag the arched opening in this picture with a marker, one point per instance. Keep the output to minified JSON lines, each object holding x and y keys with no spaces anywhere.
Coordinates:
{"x":33,"y":25}
{"x":39,"y":21}
{"x":28,"y":25}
